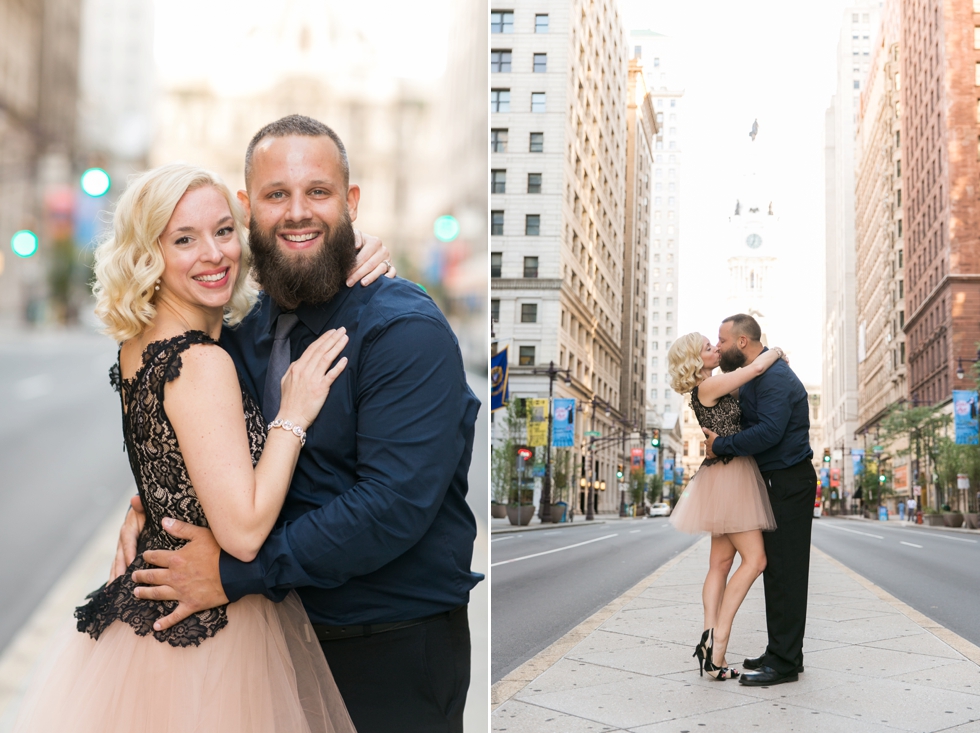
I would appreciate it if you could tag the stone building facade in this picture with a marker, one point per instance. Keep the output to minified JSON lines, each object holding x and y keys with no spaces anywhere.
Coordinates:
{"x":558,"y":110}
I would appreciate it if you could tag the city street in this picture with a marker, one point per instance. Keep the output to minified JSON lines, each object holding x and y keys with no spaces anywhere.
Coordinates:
{"x":935,"y":572}
{"x":62,"y":465}
{"x":546,"y":582}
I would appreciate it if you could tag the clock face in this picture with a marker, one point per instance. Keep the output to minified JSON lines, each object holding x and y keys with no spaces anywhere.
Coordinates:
{"x":754,"y":241}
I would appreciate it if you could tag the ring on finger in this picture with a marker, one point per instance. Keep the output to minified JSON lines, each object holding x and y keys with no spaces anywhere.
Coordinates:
{"x":387,"y":264}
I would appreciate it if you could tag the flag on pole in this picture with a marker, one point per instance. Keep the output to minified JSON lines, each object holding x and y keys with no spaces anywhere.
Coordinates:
{"x":499,"y":394}
{"x":563,"y":431}
{"x":537,"y":422}
{"x":650,"y":461}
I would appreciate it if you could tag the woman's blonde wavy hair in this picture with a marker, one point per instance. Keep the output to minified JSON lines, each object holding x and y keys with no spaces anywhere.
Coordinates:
{"x":684,"y":362}
{"x":129,"y":261}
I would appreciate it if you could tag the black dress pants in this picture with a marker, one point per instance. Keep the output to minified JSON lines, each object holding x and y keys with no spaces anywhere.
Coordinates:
{"x":792,"y":492}
{"x":410,"y":680}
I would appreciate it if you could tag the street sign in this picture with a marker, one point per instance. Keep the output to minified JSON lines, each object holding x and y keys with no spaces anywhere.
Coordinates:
{"x":962,"y":481}
{"x":593,"y":434}
{"x":877,"y":449}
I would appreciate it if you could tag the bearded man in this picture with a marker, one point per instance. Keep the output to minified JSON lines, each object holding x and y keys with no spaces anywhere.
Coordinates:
{"x":375,"y":534}
{"x":776,"y":431}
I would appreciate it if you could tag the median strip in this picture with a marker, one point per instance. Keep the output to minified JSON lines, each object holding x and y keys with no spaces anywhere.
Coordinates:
{"x":557,"y":549}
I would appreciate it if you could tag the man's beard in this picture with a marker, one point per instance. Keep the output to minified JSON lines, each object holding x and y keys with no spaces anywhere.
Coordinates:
{"x":731,"y":359}
{"x":312,"y":278}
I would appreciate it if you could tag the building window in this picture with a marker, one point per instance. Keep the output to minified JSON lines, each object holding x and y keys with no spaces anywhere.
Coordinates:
{"x":857,"y":84}
{"x":498,"y":181}
{"x":532,"y":225}
{"x":494,"y":309}
{"x":653,"y":394}
{"x":540,"y":63}
{"x":498,"y":141}
{"x":654,"y":346}
{"x":978,"y":74}
{"x":538,"y":101}
{"x":502,"y":21}
{"x":534,"y":183}
{"x":540,"y":23}
{"x":530,"y":267}
{"x":500,"y":60}
{"x":537,"y":142}
{"x":656,"y":61}
{"x":496,"y":222}
{"x":529,"y":312}
{"x":496,"y":262}
{"x":500,"y":100}
{"x":526,"y":356}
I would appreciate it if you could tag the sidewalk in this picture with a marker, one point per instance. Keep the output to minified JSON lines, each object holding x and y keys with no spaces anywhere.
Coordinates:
{"x":873,"y":664}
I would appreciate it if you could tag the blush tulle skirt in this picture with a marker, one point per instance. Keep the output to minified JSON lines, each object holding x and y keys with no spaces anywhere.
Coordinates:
{"x":725,"y":498}
{"x":262,"y":673}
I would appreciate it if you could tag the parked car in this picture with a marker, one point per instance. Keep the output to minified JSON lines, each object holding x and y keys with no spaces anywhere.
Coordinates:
{"x":659,"y":510}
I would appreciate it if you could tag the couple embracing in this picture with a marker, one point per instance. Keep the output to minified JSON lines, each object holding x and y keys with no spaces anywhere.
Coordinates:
{"x":298,"y":557}
{"x":754,"y":492}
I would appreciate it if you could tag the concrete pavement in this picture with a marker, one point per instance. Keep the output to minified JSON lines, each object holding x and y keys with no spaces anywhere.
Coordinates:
{"x":873,"y":664}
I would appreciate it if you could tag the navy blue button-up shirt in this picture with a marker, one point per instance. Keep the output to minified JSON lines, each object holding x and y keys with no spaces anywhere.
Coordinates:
{"x":375,"y":527}
{"x":775,"y":421}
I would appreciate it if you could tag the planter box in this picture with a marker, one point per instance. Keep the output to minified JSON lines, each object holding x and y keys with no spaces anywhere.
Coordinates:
{"x":520,"y":515}
{"x":498,"y":511}
{"x":557,"y":513}
{"x":972,"y":520}
{"x":933,"y":520}
{"x":952,"y":519}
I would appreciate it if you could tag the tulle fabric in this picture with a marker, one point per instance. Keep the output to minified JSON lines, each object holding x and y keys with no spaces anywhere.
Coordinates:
{"x":263,"y":673}
{"x":725,"y":498}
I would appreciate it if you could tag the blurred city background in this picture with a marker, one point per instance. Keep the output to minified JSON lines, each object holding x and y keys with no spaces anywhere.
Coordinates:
{"x":93,"y":91}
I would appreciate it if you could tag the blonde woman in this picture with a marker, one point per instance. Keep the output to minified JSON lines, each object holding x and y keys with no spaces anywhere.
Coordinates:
{"x":176,"y":269}
{"x":726,"y":497}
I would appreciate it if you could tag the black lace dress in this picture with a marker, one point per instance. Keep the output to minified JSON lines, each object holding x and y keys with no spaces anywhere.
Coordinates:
{"x":727,"y":494}
{"x":252,"y":665}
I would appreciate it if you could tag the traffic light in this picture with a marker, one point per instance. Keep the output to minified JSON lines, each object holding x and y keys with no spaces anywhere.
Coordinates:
{"x":24,"y":243}
{"x":655,"y":440}
{"x":95,"y":182}
{"x":619,"y":472}
{"x":826,"y":455}
{"x":446,"y":228}
{"x":882,"y":478}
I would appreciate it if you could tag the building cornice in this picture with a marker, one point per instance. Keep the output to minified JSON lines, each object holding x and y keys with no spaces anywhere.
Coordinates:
{"x":940,"y":286}
{"x":524,"y":283}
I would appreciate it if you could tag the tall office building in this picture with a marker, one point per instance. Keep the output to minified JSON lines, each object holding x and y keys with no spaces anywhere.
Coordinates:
{"x":558,"y":110}
{"x":879,"y":241}
{"x":662,"y":70}
{"x":839,"y":388}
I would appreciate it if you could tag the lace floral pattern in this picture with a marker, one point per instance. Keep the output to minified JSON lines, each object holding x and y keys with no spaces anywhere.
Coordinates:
{"x":166,"y":491}
{"x":723,"y":418}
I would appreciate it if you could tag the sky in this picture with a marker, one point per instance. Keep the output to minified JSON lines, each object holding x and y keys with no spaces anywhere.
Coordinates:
{"x":745,"y":59}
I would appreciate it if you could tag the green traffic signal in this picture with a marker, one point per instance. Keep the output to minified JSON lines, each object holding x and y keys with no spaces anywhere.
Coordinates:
{"x":882,"y":478}
{"x":24,"y":243}
{"x":446,"y":228}
{"x":95,"y":182}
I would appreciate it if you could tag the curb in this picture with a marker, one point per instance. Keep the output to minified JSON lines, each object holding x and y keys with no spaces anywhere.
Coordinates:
{"x":508,"y":686}
{"x":967,"y":648}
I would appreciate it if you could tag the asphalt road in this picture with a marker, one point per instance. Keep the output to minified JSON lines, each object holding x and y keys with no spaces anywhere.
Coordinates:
{"x":62,"y":466}
{"x":935,"y":572}
{"x":544,"y":583}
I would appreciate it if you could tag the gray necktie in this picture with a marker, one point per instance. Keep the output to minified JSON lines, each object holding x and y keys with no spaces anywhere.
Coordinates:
{"x":278,"y":364}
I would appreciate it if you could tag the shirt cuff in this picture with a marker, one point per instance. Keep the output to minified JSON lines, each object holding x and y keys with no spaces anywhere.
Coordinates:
{"x":240,"y":579}
{"x":720,"y":448}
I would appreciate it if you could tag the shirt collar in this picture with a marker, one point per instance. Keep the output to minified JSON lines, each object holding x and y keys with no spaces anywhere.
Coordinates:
{"x":314,"y":317}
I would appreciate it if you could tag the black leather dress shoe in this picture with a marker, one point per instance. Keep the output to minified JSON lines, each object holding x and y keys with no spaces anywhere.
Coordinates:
{"x":756,"y":663}
{"x":766,"y":676}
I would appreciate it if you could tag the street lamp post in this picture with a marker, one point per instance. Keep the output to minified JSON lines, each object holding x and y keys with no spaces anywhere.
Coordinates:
{"x":590,"y":499}
{"x":544,"y":511}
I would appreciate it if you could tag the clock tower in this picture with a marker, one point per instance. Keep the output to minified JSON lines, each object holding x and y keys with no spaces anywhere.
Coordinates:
{"x":752,"y":241}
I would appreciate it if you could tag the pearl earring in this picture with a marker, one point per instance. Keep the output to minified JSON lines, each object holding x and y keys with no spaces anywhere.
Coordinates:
{"x":157,"y":285}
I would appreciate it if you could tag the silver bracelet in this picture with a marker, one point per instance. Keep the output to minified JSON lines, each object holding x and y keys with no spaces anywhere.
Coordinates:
{"x":287,"y":425}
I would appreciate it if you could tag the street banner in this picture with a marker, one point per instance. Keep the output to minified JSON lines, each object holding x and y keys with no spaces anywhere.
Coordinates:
{"x":825,"y":478}
{"x":636,"y":457}
{"x":650,"y":461}
{"x":900,"y":477}
{"x":679,"y":475}
{"x":499,"y":395}
{"x":965,"y":416}
{"x":668,"y":470}
{"x":834,"y":477}
{"x":537,"y":421}
{"x":563,"y":431}
{"x":857,"y":456}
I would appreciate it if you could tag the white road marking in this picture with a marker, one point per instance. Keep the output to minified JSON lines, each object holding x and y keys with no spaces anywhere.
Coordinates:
{"x":501,"y":539}
{"x":548,"y":552}
{"x":32,"y":387}
{"x":634,"y":531}
{"x":940,"y":536}
{"x":910,"y":544}
{"x":853,"y":531}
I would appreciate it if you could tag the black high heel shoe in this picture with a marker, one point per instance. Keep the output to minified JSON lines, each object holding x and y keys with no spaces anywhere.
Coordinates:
{"x":714,"y":672}
{"x":700,"y":652}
